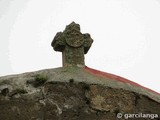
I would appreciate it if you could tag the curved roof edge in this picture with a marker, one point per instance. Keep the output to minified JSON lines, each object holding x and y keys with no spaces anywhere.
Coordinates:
{"x":136,"y":87}
{"x":80,"y":74}
{"x":118,"y":78}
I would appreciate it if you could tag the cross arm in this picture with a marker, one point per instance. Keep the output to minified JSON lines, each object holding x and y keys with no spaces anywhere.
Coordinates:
{"x":87,"y":42}
{"x":58,"y":42}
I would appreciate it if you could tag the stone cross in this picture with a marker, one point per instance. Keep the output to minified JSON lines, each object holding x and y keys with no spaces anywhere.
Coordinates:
{"x":73,"y":45}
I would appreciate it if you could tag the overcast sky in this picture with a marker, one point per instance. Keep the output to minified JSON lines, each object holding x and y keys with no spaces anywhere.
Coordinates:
{"x":126,"y":36}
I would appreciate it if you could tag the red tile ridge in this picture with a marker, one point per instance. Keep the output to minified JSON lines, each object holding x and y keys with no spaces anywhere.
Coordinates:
{"x":116,"y":77}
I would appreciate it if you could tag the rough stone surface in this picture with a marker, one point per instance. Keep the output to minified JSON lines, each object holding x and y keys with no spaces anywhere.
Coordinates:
{"x":73,"y":45}
{"x":70,"y":94}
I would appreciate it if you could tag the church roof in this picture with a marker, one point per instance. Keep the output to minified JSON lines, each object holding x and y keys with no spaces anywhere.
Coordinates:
{"x":73,"y":45}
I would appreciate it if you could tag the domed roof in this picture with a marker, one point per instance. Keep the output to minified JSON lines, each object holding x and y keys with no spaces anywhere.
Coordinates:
{"x":73,"y":91}
{"x":75,"y":45}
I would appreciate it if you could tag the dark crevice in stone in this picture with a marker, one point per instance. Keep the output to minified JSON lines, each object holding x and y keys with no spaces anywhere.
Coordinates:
{"x":71,"y":80}
{"x":5,"y":91}
{"x":137,"y":97}
{"x":85,"y":86}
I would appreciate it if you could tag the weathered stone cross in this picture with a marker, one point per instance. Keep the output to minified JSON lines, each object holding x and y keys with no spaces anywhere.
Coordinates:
{"x":73,"y":45}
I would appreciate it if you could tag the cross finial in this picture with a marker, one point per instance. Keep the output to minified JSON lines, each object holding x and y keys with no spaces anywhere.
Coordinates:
{"x":73,"y":45}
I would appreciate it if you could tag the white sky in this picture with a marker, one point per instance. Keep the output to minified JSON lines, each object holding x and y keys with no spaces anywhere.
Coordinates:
{"x":126,"y":36}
